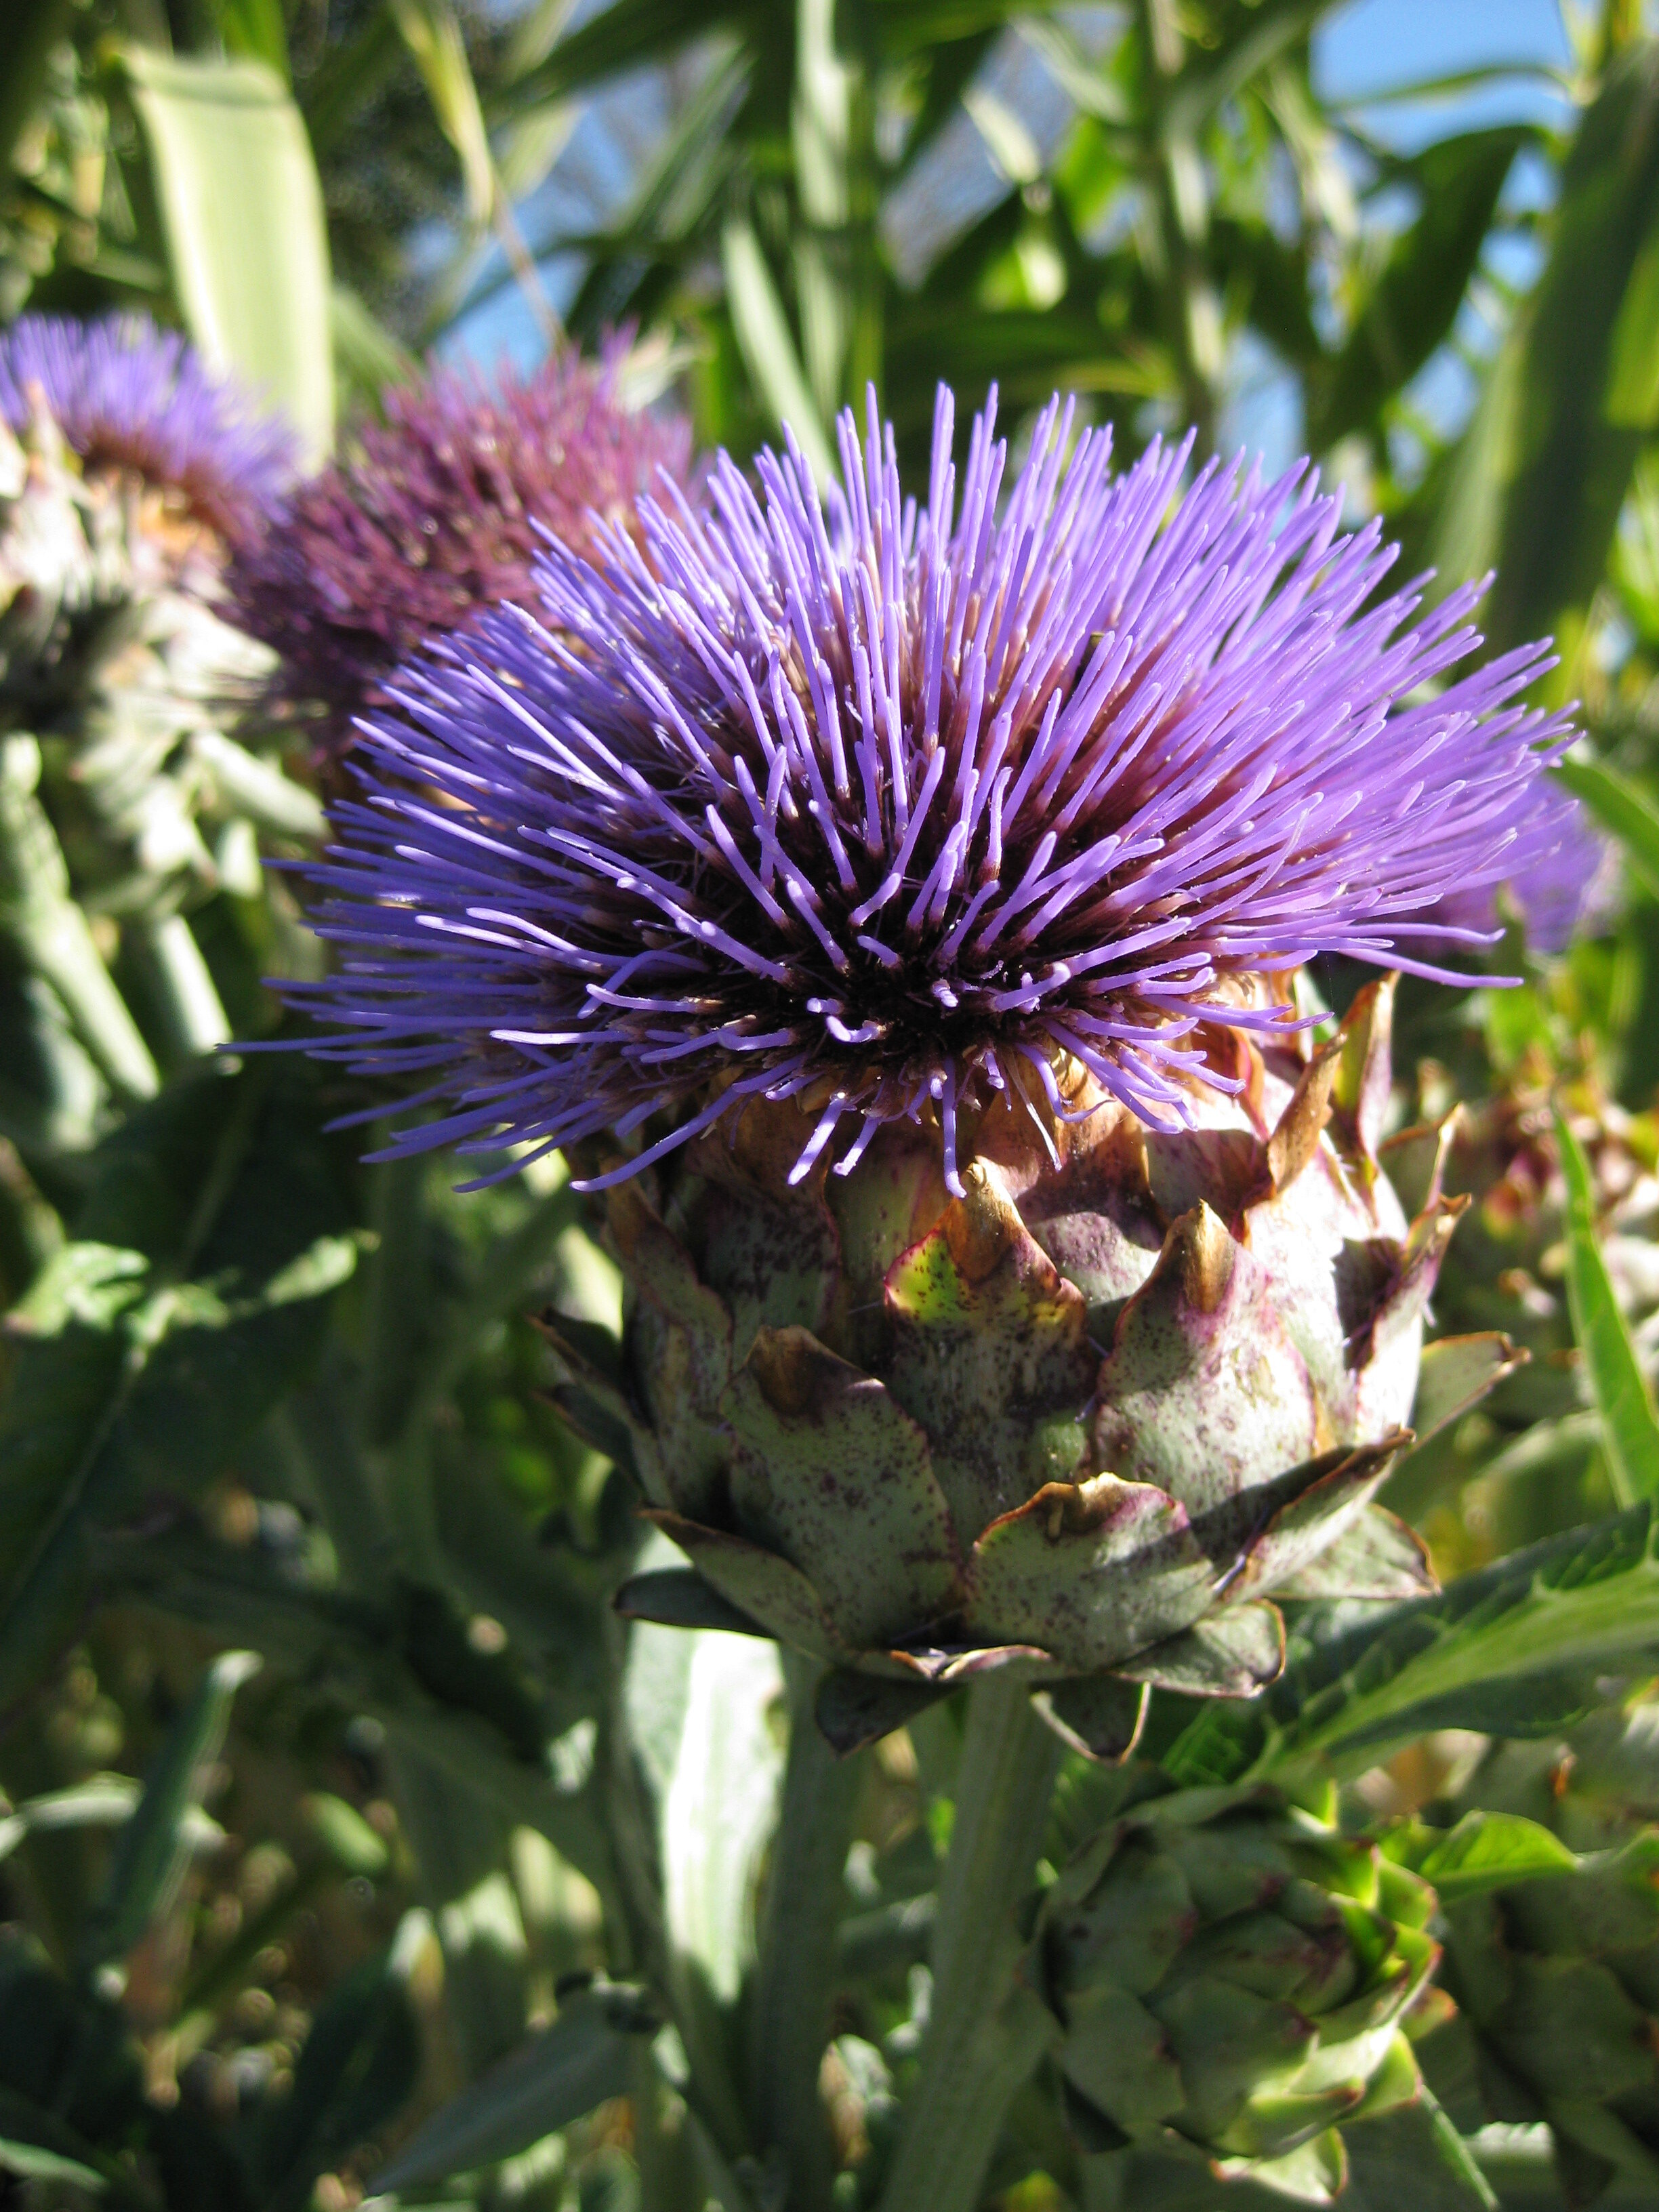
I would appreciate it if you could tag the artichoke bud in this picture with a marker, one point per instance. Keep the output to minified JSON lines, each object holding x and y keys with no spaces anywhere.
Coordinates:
{"x":1558,"y":1979}
{"x":1087,"y":1420}
{"x":1226,"y":1968}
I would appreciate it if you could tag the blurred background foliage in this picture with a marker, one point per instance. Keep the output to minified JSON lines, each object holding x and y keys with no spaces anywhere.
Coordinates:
{"x":333,"y":1779}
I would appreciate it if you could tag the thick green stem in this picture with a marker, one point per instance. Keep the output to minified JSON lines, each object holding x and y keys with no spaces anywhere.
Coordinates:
{"x":51,"y":932}
{"x":984,"y":2033}
{"x":795,"y":1986}
{"x":191,"y":1005}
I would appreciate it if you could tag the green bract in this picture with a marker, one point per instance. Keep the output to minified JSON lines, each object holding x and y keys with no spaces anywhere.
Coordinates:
{"x":1227,"y":1967}
{"x":1086,"y":1420}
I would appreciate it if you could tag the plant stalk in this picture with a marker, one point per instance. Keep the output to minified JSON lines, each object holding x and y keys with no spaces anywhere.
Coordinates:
{"x":984,"y":2033}
{"x":795,"y":1986}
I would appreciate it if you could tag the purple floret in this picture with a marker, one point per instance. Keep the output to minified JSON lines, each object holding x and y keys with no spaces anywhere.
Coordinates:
{"x":126,"y":395}
{"x":441,"y":513}
{"x":889,"y":811}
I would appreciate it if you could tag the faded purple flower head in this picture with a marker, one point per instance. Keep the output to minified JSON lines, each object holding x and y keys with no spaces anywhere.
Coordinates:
{"x":1574,"y":884}
{"x":126,"y":395}
{"x":440,"y":513}
{"x":889,"y":810}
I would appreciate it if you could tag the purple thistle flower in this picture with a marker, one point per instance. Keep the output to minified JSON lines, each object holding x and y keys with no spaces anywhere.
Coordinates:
{"x":126,"y":395}
{"x":441,"y":514}
{"x":889,"y":811}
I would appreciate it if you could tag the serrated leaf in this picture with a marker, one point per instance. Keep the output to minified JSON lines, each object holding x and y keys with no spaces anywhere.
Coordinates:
{"x":1485,"y":1851}
{"x":1522,"y":1647}
{"x":1619,"y":808}
{"x":217,"y":1221}
{"x":554,"y":2078}
{"x":1630,"y":1428}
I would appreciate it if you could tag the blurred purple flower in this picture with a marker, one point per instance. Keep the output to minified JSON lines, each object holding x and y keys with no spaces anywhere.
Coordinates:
{"x":126,"y":395}
{"x":888,"y":811}
{"x":1574,"y":884}
{"x":441,"y":514}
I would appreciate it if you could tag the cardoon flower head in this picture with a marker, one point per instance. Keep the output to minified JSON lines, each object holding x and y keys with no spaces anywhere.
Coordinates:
{"x":440,"y":513}
{"x":128,"y":397}
{"x":899,"y":812}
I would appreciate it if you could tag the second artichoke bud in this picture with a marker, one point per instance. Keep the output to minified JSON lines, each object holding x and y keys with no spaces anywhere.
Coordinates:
{"x":1224,"y":1965}
{"x":1086,"y":1420}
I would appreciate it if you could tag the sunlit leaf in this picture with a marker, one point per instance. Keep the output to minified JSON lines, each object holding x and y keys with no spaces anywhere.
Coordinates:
{"x":769,"y":346}
{"x":242,"y":212}
{"x":1630,"y":1428}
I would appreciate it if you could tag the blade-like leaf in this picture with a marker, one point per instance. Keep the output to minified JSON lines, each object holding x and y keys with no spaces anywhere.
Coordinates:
{"x":554,"y":2078}
{"x":154,"y":1850}
{"x":1411,"y":307}
{"x":1536,"y":487}
{"x":242,"y":211}
{"x":357,"y":2069}
{"x":1620,"y":807}
{"x":1629,"y":1430}
{"x":255,"y":30}
{"x":1523,"y":1648}
{"x":432,"y":32}
{"x":768,"y":347}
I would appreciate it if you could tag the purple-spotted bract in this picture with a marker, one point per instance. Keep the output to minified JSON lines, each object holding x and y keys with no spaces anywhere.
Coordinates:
{"x":890,"y":808}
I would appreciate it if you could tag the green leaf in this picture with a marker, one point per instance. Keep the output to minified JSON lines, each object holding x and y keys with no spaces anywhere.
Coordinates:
{"x":242,"y":212}
{"x":29,"y":29}
{"x":554,"y":2078}
{"x":254,"y":30}
{"x":33,"y":2162}
{"x":1485,"y":1851}
{"x":1621,"y":808}
{"x":151,"y":1348}
{"x":40,"y":2145}
{"x":1411,"y":307}
{"x":1524,"y":1648}
{"x":358,"y":2070}
{"x":1536,"y":487}
{"x":432,"y":32}
{"x":155,"y":1846}
{"x":768,"y":347}
{"x":1630,"y":1429}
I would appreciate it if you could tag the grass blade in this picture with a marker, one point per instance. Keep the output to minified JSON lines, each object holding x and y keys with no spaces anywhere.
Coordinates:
{"x":1629,"y":1426}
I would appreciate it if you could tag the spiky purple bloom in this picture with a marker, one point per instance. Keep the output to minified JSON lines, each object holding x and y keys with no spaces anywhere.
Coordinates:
{"x":127,"y":396}
{"x":889,"y":811}
{"x":440,"y":514}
